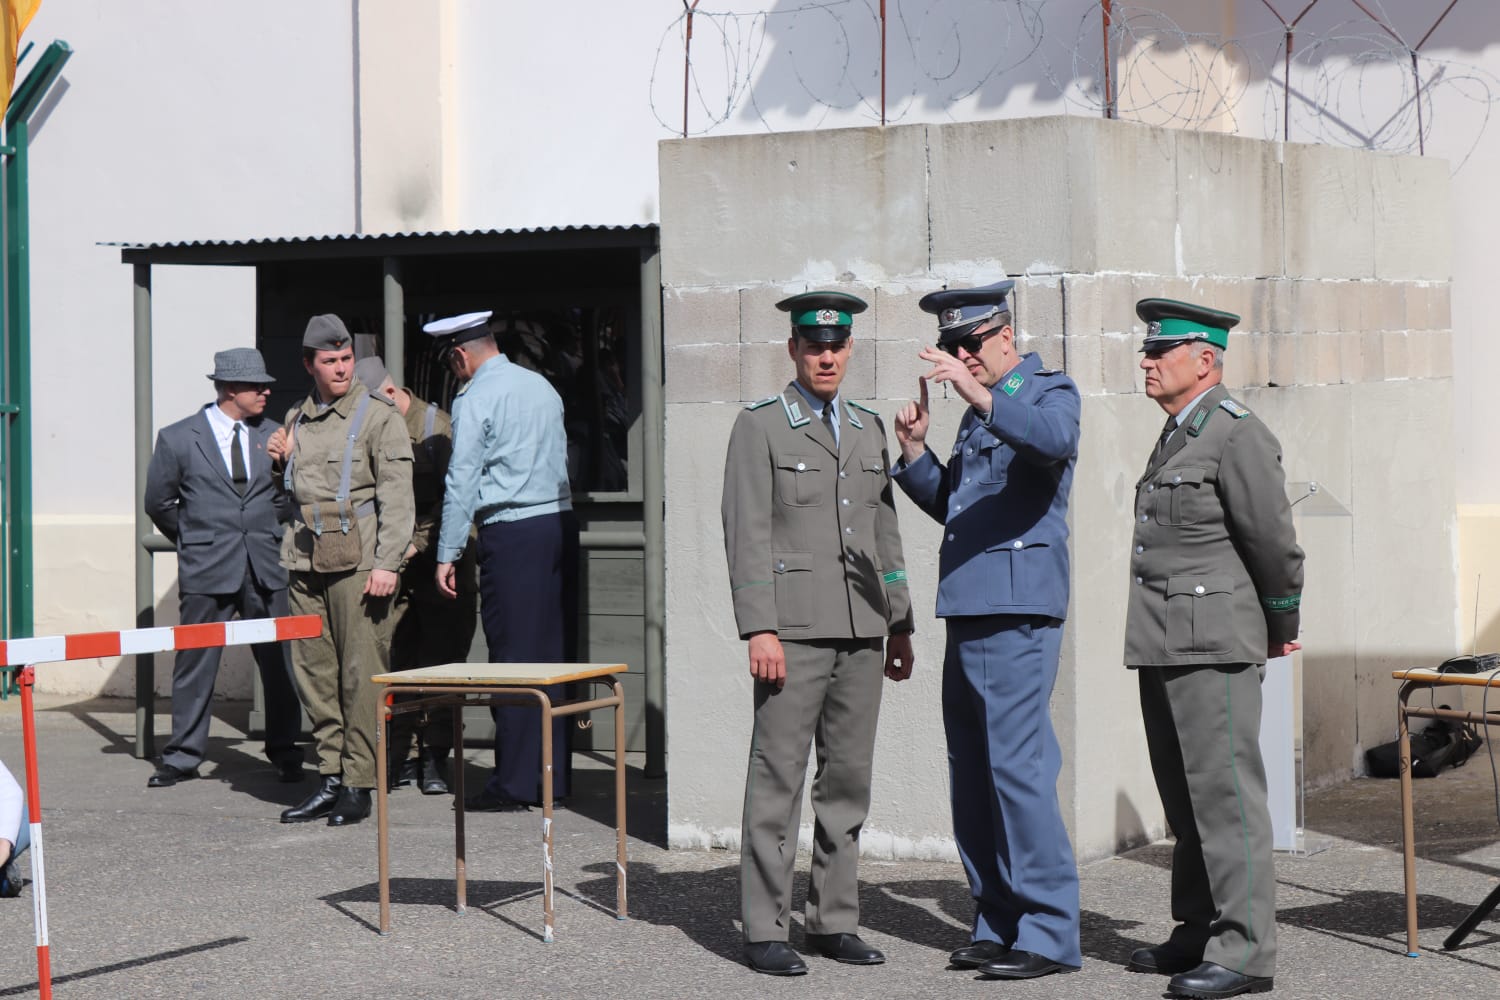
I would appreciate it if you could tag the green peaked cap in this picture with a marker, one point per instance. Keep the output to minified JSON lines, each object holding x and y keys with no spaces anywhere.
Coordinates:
{"x":1170,"y":322}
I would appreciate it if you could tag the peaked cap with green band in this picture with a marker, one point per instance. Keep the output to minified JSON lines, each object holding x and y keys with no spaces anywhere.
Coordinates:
{"x":822,"y":317}
{"x":1169,"y":323}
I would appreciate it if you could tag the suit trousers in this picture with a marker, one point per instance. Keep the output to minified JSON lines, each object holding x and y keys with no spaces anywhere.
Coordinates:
{"x":831,"y":696}
{"x":1203,"y":732}
{"x":528,"y":604}
{"x":333,"y":671}
{"x":195,"y":670}
{"x":1003,"y":763}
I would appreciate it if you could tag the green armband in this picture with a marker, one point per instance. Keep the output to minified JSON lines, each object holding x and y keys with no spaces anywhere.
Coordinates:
{"x":1291,"y":603}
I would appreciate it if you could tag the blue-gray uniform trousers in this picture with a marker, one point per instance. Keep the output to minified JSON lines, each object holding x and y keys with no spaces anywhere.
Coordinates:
{"x":194,"y":671}
{"x":831,"y":697}
{"x":528,"y":587}
{"x":1003,"y":760}
{"x":1223,"y":882}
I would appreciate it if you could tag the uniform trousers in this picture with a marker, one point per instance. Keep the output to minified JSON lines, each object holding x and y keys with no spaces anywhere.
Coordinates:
{"x":195,"y":670}
{"x":429,"y":630}
{"x":831,"y":696}
{"x":1003,"y":762}
{"x":333,"y":670}
{"x":1203,"y":732}
{"x":528,"y":586}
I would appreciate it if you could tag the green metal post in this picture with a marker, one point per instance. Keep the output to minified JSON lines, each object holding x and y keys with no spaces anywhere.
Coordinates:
{"x":20,"y":606}
{"x":145,"y":583}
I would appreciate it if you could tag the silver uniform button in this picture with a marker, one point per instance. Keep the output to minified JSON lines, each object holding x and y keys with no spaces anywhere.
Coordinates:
{"x":1143,"y":518}
{"x":950,"y":538}
{"x":1139,"y":549}
{"x":1016,"y":544}
{"x":1151,"y":488}
{"x":849,"y":531}
{"x":967,"y":480}
{"x":1198,"y":589}
{"x":780,"y":566}
{"x":1138,"y":580}
{"x":957,"y":507}
{"x":801,"y":467}
{"x":968,"y":451}
{"x":845,"y":501}
{"x":843,"y":474}
{"x":1176,"y":479}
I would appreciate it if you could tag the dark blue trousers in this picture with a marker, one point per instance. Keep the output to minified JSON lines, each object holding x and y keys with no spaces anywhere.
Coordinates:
{"x":528,"y":604}
{"x":1003,"y":762}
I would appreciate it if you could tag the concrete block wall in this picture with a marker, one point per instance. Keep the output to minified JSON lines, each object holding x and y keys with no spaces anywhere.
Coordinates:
{"x":1339,"y":264}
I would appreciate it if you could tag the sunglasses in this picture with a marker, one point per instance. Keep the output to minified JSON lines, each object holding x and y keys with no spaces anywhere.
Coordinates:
{"x":972,"y":343}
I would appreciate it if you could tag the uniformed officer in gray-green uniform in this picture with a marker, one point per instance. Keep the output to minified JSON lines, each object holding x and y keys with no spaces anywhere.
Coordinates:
{"x":1215,"y":586}
{"x":430,"y":628}
{"x":345,"y":458}
{"x":819,"y":589}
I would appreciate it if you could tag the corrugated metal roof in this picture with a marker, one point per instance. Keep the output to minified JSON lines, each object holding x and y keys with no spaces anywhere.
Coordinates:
{"x":363,"y":244}
{"x":352,"y":237}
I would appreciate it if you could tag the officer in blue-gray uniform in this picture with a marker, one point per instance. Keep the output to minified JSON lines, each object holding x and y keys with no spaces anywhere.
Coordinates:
{"x":1003,"y":588}
{"x":1215,"y":589}
{"x":508,"y":473}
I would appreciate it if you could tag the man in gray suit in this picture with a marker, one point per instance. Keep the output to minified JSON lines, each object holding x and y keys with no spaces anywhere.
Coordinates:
{"x":1215,"y":588}
{"x":209,"y":489}
{"x":819,"y":588}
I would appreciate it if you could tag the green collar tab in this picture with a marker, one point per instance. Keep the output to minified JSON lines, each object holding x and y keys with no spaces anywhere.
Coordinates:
{"x":1013,"y":384}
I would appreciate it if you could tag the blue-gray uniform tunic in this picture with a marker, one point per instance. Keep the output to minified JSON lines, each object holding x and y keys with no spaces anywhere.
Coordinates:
{"x":1003,"y":587}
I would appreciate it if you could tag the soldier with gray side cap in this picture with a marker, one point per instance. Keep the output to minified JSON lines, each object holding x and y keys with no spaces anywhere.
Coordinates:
{"x":1215,"y":589}
{"x":430,"y":629}
{"x":344,"y":458}
{"x":819,"y":586}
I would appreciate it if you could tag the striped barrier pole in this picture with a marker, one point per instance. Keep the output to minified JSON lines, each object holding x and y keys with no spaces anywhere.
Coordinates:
{"x":26,"y":653}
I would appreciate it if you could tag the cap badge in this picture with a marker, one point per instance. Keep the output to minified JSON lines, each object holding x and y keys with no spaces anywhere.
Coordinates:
{"x":828,"y":317}
{"x":1153,"y":329}
{"x":951,"y":316}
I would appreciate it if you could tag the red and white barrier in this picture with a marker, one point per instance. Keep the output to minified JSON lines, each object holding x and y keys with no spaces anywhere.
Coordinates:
{"x":25,"y":653}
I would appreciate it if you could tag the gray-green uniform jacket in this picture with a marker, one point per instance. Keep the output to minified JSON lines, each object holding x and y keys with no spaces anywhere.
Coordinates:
{"x":810,"y":533}
{"x":380,"y":482}
{"x":1215,"y":569}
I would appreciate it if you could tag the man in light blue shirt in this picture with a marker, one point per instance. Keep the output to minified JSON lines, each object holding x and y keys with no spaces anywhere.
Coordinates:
{"x":509,"y":474}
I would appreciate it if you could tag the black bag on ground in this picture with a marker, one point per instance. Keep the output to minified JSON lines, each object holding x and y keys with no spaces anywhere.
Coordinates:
{"x":1442,"y":744}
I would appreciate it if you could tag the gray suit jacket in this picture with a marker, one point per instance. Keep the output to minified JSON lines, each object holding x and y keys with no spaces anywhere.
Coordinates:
{"x":809,"y":528}
{"x":191,"y":500}
{"x":1215,"y":569}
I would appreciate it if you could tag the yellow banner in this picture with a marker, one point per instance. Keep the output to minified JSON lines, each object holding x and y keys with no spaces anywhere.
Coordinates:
{"x":15,"y":15}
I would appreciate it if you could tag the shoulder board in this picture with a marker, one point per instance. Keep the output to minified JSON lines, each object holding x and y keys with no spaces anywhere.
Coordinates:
{"x":1049,"y":371}
{"x":861,"y":406}
{"x":761,"y":402}
{"x":463,"y":388}
{"x":1236,"y":410}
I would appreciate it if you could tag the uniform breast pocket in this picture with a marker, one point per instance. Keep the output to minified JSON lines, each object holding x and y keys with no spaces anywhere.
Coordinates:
{"x":1017,"y":572}
{"x":794,"y":588}
{"x":799,"y":480}
{"x":873,"y":480}
{"x":992,"y":463}
{"x":1180,"y":496}
{"x":1199,"y":614}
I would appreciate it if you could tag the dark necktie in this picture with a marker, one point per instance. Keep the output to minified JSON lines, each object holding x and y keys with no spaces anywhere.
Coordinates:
{"x":1161,"y":442}
{"x":237,"y":463}
{"x":828,"y":422}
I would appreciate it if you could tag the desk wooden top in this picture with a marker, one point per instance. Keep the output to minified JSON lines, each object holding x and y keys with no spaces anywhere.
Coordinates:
{"x":1427,"y":675}
{"x":500,"y":674}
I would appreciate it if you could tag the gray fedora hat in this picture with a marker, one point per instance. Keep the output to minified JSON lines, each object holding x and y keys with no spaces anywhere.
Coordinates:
{"x":240,"y":364}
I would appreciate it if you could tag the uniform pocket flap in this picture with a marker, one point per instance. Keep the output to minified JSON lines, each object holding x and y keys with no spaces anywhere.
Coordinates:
{"x":1017,"y":544}
{"x":874,"y":465}
{"x":798,"y":463}
{"x":792,"y":562}
{"x":1182,"y":477}
{"x":1198,"y":586}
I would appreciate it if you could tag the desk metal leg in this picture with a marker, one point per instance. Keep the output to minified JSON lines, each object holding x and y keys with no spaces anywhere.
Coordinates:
{"x":1408,"y":832}
{"x":1472,"y":920}
{"x":547,"y":919}
{"x":382,"y":809}
{"x":460,"y":874}
{"x":619,"y":692}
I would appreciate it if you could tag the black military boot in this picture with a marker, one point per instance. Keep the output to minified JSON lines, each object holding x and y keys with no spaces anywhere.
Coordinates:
{"x":319,"y":803}
{"x":353,"y":805}
{"x":433,"y":780}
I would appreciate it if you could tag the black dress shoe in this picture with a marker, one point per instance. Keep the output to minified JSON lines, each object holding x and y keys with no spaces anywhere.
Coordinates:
{"x":1212,"y":981}
{"x":166,"y":776}
{"x":1163,"y":959}
{"x":774,"y":958}
{"x":318,"y":804}
{"x":1017,"y":964}
{"x":431,"y":779}
{"x":846,"y":948}
{"x":488,"y":802}
{"x":289,"y":770}
{"x":353,"y":805}
{"x":972,"y":956}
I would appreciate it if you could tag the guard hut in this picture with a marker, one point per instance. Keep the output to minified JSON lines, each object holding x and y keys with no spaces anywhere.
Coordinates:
{"x":581,"y":305}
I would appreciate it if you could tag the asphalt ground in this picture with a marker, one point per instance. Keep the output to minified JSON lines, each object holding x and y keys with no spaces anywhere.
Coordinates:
{"x":199,"y":891}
